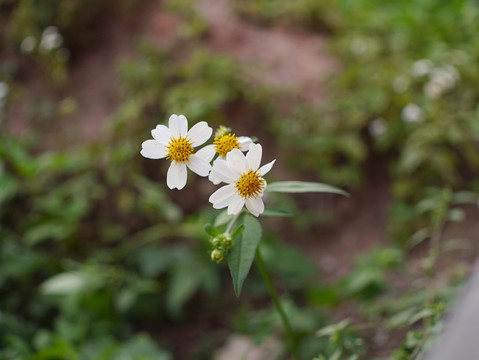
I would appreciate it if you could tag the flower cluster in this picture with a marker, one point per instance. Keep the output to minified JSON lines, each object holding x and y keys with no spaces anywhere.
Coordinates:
{"x":221,"y":161}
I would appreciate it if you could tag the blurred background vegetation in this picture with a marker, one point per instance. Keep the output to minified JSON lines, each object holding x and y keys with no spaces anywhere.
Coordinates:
{"x":99,"y":260}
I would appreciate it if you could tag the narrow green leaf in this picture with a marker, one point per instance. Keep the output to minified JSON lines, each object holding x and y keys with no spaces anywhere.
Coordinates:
{"x":243,"y":252}
{"x":211,"y":230}
{"x":270,"y":211}
{"x":303,"y":187}
{"x":238,"y":231}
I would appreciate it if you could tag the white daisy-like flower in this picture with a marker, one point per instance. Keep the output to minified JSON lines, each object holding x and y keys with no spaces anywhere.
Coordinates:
{"x":245,"y":181}
{"x":177,"y":144}
{"x":223,"y":143}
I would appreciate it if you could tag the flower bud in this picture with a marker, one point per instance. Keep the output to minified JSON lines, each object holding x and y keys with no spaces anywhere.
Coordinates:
{"x":222,"y":241}
{"x":217,"y":255}
{"x":222,"y":131}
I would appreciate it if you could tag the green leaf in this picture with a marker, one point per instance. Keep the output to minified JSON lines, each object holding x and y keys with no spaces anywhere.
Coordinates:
{"x":303,"y":187}
{"x":223,"y":218}
{"x":185,"y":281}
{"x":270,"y":211}
{"x":238,"y":231}
{"x":211,"y":230}
{"x":243,"y":252}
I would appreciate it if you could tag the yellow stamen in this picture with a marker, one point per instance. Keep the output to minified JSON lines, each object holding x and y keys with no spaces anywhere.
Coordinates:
{"x":179,"y":149}
{"x":226,"y":143}
{"x":250,"y":185}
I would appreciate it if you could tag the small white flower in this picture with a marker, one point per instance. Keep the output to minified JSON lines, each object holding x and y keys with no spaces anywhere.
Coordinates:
{"x":51,"y":39}
{"x":177,"y":144}
{"x":245,"y":181}
{"x":377,"y":127}
{"x":433,"y":90}
{"x":358,"y":46}
{"x":222,"y":145}
{"x":28,"y":44}
{"x":421,"y":67}
{"x":400,"y":84}
{"x":4,"y":89}
{"x":412,"y":113}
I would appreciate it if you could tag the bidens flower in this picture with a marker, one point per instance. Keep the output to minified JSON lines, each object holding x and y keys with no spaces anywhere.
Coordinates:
{"x":177,"y":144}
{"x":245,"y":181}
{"x":223,"y":143}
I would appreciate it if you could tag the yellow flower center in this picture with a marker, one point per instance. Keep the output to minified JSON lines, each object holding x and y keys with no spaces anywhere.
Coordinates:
{"x":224,"y":144}
{"x":179,"y":149}
{"x":250,"y":185}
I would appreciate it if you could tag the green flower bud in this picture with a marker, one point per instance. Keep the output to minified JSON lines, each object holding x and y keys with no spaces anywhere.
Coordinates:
{"x":223,"y":241}
{"x":217,"y":255}
{"x":222,"y":131}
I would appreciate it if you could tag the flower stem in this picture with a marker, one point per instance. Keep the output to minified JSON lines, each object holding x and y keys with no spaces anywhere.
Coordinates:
{"x":232,"y":223}
{"x":274,"y":296}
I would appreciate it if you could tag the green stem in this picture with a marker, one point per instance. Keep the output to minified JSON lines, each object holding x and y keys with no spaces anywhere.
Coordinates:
{"x":274,"y":296}
{"x":231,"y":224}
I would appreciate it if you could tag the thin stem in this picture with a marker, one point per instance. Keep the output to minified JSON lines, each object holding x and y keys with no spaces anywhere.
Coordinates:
{"x":232,"y":223}
{"x":274,"y":296}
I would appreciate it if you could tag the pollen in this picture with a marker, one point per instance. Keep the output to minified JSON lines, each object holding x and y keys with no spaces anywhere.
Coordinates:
{"x":250,"y":185}
{"x":224,"y":144}
{"x":179,"y":149}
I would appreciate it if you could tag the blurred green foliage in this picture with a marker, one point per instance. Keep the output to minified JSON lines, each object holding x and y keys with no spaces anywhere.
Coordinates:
{"x":93,"y":249}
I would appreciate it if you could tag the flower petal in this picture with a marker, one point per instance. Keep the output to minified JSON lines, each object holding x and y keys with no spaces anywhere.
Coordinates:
{"x":198,"y":165}
{"x":200,"y":133}
{"x":213,"y":178}
{"x":253,"y":157}
{"x":236,"y":204}
{"x":207,"y":153}
{"x":161,"y":134}
{"x":237,"y":161}
{"x":152,"y":149}
{"x":255,"y":205}
{"x":176,"y":176}
{"x":178,"y":125}
{"x":244,"y":142}
{"x":224,"y":172}
{"x":222,"y":197}
{"x":263,"y":170}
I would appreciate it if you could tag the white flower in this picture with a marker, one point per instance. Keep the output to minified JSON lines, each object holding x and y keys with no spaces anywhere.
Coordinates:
{"x":28,"y":44}
{"x":4,"y":89}
{"x":51,"y":39}
{"x":412,"y":113}
{"x":222,"y":145}
{"x":358,"y":46}
{"x":245,"y":181}
{"x":377,"y":127}
{"x":421,"y":67}
{"x":177,"y":144}
{"x":400,"y":84}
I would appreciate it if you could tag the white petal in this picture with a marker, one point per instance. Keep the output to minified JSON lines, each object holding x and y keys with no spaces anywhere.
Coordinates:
{"x":200,"y":133}
{"x":224,"y":172}
{"x":263,"y":170}
{"x":235,"y":205}
{"x":178,"y":125}
{"x":152,"y":149}
{"x":198,"y":165}
{"x":255,"y":206}
{"x":207,"y":153}
{"x":161,"y":134}
{"x":176,"y":176}
{"x":222,"y":197}
{"x":253,"y":157}
{"x":213,"y":178}
{"x":244,"y":142}
{"x":237,"y":161}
